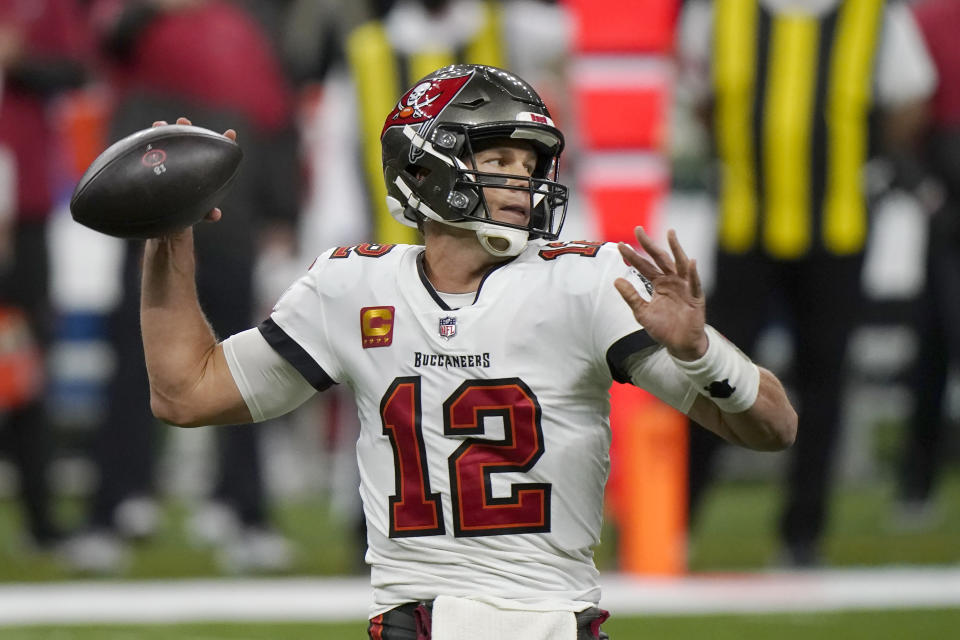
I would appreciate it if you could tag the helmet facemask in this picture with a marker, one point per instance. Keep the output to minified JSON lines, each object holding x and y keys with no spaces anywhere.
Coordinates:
{"x":454,"y":172}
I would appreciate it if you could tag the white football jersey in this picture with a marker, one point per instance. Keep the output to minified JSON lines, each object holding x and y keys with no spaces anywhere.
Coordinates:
{"x":484,"y":444}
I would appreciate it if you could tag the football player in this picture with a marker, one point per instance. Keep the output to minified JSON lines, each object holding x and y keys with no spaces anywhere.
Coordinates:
{"x":481,"y":363}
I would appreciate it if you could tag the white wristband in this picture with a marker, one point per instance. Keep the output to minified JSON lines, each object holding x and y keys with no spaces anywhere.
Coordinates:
{"x":723,"y":374}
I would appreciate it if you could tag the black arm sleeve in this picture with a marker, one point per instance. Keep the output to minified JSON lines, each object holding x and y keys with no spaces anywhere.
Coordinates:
{"x":623,"y":348}
{"x":295,"y":355}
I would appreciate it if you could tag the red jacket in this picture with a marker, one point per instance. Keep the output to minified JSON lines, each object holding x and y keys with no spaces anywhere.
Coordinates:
{"x":940,"y":22}
{"x":214,"y":53}
{"x":55,"y":45}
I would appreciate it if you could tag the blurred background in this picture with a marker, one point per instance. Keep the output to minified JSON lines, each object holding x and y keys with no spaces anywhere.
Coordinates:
{"x":806,"y":152}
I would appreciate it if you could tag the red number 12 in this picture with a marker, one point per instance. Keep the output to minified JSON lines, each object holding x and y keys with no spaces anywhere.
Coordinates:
{"x":416,"y":511}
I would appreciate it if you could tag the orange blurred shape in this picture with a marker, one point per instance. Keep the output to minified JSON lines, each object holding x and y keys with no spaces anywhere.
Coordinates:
{"x":622,"y":103}
{"x":83,"y":118}
{"x":623,"y":117}
{"x":21,"y":371}
{"x":647,"y":492}
{"x":616,"y":26}
{"x":623,"y":191}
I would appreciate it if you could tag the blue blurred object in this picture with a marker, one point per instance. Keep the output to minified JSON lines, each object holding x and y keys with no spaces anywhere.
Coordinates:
{"x":80,"y":366}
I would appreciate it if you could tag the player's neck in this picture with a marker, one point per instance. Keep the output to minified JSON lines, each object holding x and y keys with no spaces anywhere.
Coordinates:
{"x":456,"y":263}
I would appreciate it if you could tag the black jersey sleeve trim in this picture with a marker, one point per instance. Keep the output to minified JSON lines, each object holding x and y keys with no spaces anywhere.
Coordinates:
{"x":293,"y":353}
{"x":626,"y":346}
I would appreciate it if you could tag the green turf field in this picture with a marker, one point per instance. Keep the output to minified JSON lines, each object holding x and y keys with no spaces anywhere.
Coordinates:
{"x":737,"y":530}
{"x":736,"y":533}
{"x":859,"y":625}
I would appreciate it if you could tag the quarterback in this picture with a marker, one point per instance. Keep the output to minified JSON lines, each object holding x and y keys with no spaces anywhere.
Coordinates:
{"x":480,"y":361}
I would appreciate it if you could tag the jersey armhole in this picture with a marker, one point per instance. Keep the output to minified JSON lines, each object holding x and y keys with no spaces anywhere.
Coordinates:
{"x":622,"y":349}
{"x":293,"y":353}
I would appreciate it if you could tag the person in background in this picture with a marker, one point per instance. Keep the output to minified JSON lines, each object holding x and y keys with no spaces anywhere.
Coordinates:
{"x":43,"y":49}
{"x":211,"y":59}
{"x":798,"y":96}
{"x":938,"y":312}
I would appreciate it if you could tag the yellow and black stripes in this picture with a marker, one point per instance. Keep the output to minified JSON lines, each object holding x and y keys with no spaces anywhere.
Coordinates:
{"x":793,"y":105}
{"x":849,"y":103}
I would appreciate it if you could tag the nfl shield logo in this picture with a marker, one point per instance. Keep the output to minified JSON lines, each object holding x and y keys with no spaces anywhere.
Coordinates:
{"x":448,"y":327}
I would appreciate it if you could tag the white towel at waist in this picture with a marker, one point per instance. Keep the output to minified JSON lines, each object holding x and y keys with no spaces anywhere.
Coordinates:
{"x":468,"y":619}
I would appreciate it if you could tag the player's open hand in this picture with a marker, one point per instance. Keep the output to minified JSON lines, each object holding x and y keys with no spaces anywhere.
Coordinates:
{"x":215,"y":214}
{"x":676,"y":313}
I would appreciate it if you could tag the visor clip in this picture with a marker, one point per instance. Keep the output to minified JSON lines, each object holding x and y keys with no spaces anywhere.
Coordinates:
{"x":457,"y":200}
{"x":445,"y":139}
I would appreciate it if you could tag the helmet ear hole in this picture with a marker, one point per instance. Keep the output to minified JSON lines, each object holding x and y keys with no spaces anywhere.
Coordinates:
{"x":419,"y":173}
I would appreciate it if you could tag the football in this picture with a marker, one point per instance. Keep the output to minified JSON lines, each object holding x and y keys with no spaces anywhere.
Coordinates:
{"x":156,"y":181}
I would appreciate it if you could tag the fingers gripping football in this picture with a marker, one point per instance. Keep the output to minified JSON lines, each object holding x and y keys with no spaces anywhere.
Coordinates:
{"x":215,"y":214}
{"x":676,"y":312}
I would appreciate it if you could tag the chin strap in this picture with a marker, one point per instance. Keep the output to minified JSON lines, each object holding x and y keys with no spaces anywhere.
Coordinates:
{"x":502,"y":242}
{"x":498,"y":241}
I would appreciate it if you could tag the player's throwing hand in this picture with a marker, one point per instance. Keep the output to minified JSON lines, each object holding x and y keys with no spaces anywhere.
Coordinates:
{"x":676,"y":313}
{"x":215,"y":214}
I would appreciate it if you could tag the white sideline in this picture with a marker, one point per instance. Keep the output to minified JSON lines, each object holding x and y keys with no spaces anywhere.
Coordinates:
{"x":344,"y":599}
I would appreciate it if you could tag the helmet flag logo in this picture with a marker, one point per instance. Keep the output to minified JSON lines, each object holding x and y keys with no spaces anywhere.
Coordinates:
{"x":416,"y":101}
{"x":425,"y":101}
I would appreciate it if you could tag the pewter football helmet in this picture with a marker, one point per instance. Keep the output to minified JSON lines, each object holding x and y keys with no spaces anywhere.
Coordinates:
{"x":428,"y":144}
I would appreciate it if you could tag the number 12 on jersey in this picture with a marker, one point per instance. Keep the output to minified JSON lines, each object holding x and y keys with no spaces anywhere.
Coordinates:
{"x":416,"y":511}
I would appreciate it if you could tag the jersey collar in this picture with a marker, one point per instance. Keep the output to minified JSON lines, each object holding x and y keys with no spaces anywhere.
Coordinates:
{"x":433,"y":292}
